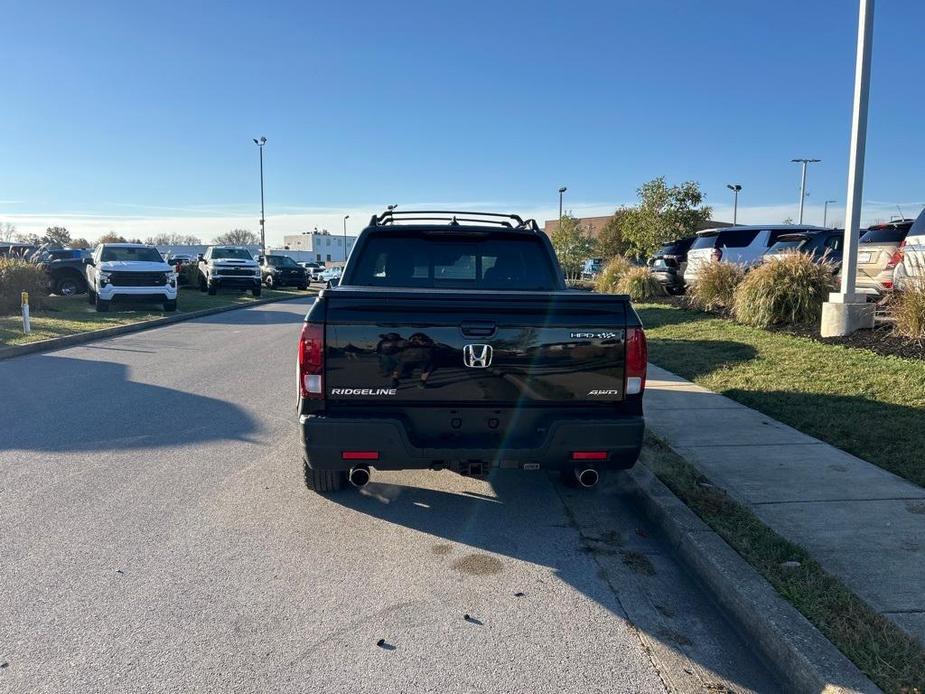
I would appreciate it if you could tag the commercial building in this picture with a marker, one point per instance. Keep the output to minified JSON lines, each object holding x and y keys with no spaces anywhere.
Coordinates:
{"x":320,"y":245}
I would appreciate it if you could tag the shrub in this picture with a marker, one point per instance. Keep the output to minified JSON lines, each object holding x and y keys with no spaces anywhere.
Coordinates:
{"x":908,"y":308}
{"x":715,"y":285}
{"x":639,"y":284}
{"x":17,"y":276}
{"x":788,"y":289}
{"x":610,"y":274}
{"x":190,"y":275}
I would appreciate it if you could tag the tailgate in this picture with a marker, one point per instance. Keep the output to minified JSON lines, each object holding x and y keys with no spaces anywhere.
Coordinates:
{"x":476,"y":347}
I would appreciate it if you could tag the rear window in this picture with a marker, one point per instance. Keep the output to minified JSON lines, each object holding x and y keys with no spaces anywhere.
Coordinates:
{"x":456,"y":261}
{"x":885,"y":234}
{"x":918,"y":227}
{"x":788,"y":245}
{"x":130,"y":253}
{"x":705,"y":241}
{"x":738,"y":238}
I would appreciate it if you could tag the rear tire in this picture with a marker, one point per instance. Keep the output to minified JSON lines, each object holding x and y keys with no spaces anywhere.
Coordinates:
{"x":270,"y":282}
{"x":303,"y":287}
{"x":323,"y":481}
{"x":102,"y":305}
{"x":91,"y":297}
{"x":170,"y":305}
{"x":67,"y":286}
{"x":202,"y":283}
{"x":256,"y":291}
{"x":212,"y":289}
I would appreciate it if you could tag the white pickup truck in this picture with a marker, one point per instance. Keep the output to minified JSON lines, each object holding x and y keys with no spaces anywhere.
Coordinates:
{"x":228,"y":266}
{"x":132,"y":272}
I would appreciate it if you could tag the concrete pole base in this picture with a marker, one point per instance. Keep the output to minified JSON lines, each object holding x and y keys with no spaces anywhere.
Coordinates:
{"x":844,"y":315}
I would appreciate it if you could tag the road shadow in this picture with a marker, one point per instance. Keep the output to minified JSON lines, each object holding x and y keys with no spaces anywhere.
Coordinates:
{"x":531,"y":520}
{"x":54,"y":403}
{"x":253,"y":316}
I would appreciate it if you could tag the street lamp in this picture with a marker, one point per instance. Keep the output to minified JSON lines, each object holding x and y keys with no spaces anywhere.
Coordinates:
{"x":846,"y":311}
{"x":263,"y":240}
{"x":803,"y":181}
{"x":735,"y":188}
{"x":346,"y":217}
{"x":561,"y":191}
{"x":825,"y":212}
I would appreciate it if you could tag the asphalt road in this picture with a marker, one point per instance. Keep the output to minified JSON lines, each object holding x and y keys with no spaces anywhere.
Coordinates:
{"x":156,"y":536}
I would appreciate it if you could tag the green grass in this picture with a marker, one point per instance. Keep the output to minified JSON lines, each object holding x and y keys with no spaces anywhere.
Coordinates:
{"x":890,"y":657}
{"x":70,"y":315}
{"x":867,"y":404}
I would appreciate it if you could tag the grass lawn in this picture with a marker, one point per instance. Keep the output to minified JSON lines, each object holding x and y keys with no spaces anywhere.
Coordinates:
{"x":867,"y":404}
{"x":886,"y":654}
{"x":69,"y":315}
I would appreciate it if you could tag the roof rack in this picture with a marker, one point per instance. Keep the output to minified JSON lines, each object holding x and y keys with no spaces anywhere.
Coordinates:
{"x":454,"y":218}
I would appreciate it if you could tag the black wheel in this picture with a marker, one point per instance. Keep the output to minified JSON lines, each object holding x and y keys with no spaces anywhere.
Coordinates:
{"x":270,"y":282}
{"x":67,"y":286}
{"x":323,"y":480}
{"x":256,"y":290}
{"x":170,"y":305}
{"x":102,"y":305}
{"x":91,"y":297}
{"x":212,"y":289}
{"x":202,"y":283}
{"x":303,"y":287}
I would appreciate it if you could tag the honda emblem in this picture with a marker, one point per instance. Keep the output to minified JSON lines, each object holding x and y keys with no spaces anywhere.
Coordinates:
{"x":477,"y":356}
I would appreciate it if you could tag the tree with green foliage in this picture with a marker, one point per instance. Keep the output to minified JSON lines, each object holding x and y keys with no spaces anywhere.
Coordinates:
{"x":664,"y":213}
{"x":610,"y":242}
{"x":238,"y":237}
{"x":573,"y":243}
{"x":57,"y":236}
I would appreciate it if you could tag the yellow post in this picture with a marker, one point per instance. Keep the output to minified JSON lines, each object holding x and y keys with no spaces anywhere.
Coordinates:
{"x":26,"y":328}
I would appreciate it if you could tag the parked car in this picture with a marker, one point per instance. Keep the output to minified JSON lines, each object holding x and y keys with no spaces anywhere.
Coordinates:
{"x":65,"y":268}
{"x":228,"y":266}
{"x":313,"y":270}
{"x":129,"y":271}
{"x":910,"y":270}
{"x":331,"y":276}
{"x":744,"y":245}
{"x":282,"y":271}
{"x":669,"y":262}
{"x":591,"y":268}
{"x":823,"y":246}
{"x":506,"y":369}
{"x":878,"y":255}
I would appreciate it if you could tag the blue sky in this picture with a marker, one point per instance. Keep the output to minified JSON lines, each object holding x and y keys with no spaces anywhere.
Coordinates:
{"x":139,"y":116}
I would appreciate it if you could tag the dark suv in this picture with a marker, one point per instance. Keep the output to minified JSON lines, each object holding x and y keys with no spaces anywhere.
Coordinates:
{"x":65,"y":270}
{"x":823,"y":246}
{"x":282,"y":271}
{"x":668,"y":263}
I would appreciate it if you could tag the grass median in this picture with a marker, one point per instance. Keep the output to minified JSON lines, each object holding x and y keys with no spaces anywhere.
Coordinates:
{"x":71,"y":315}
{"x":865,"y":403}
{"x":890,"y":657}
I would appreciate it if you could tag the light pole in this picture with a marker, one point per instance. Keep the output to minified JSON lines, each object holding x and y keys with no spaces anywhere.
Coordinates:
{"x":561,"y":191}
{"x":735,"y":188}
{"x":803,"y":181}
{"x":263,"y":239}
{"x":845,"y":312}
{"x":346,"y":217}
{"x":825,"y":212}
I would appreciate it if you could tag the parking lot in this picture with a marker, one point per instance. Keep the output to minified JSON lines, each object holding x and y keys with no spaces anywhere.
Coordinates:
{"x":168,"y":543}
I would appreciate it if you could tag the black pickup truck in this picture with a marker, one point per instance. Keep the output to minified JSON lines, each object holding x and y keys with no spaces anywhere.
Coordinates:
{"x":452,"y":342}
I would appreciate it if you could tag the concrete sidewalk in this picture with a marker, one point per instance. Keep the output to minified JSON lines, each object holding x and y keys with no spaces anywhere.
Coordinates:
{"x":864,"y":525}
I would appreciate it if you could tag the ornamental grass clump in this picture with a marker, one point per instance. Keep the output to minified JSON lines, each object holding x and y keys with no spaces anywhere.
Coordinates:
{"x":607,"y":279}
{"x":908,"y":308}
{"x":18,"y":276}
{"x":639,"y":284}
{"x":713,"y":289}
{"x":785,"y":289}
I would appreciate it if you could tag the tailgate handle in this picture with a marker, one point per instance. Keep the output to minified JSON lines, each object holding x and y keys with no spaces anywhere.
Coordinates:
{"x":478,"y":328}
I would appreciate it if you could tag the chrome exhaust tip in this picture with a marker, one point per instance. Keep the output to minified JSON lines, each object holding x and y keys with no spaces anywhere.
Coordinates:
{"x":587,"y":477}
{"x":359,"y":476}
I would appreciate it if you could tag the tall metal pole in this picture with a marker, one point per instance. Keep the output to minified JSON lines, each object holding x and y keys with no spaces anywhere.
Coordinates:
{"x":735,"y":188}
{"x":561,"y":191}
{"x":803,"y":181}
{"x":346,"y":217}
{"x":263,"y":238}
{"x":825,"y":212}
{"x":858,"y":148}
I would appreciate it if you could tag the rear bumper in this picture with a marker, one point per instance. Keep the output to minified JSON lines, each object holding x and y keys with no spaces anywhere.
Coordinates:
{"x":325,"y":438}
{"x":668,"y":278}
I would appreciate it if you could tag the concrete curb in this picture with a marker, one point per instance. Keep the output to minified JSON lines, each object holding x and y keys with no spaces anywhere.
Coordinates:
{"x":801,"y":657}
{"x":56,"y":343}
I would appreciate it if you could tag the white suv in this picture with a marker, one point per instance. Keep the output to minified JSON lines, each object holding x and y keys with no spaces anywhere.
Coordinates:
{"x":130,"y":271}
{"x":910,"y":271}
{"x":744,"y":245}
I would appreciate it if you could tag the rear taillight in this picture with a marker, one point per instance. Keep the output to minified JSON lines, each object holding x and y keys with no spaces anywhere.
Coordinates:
{"x":311,"y":361}
{"x":636,"y":360}
{"x":717,"y":254}
{"x":897,"y":257}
